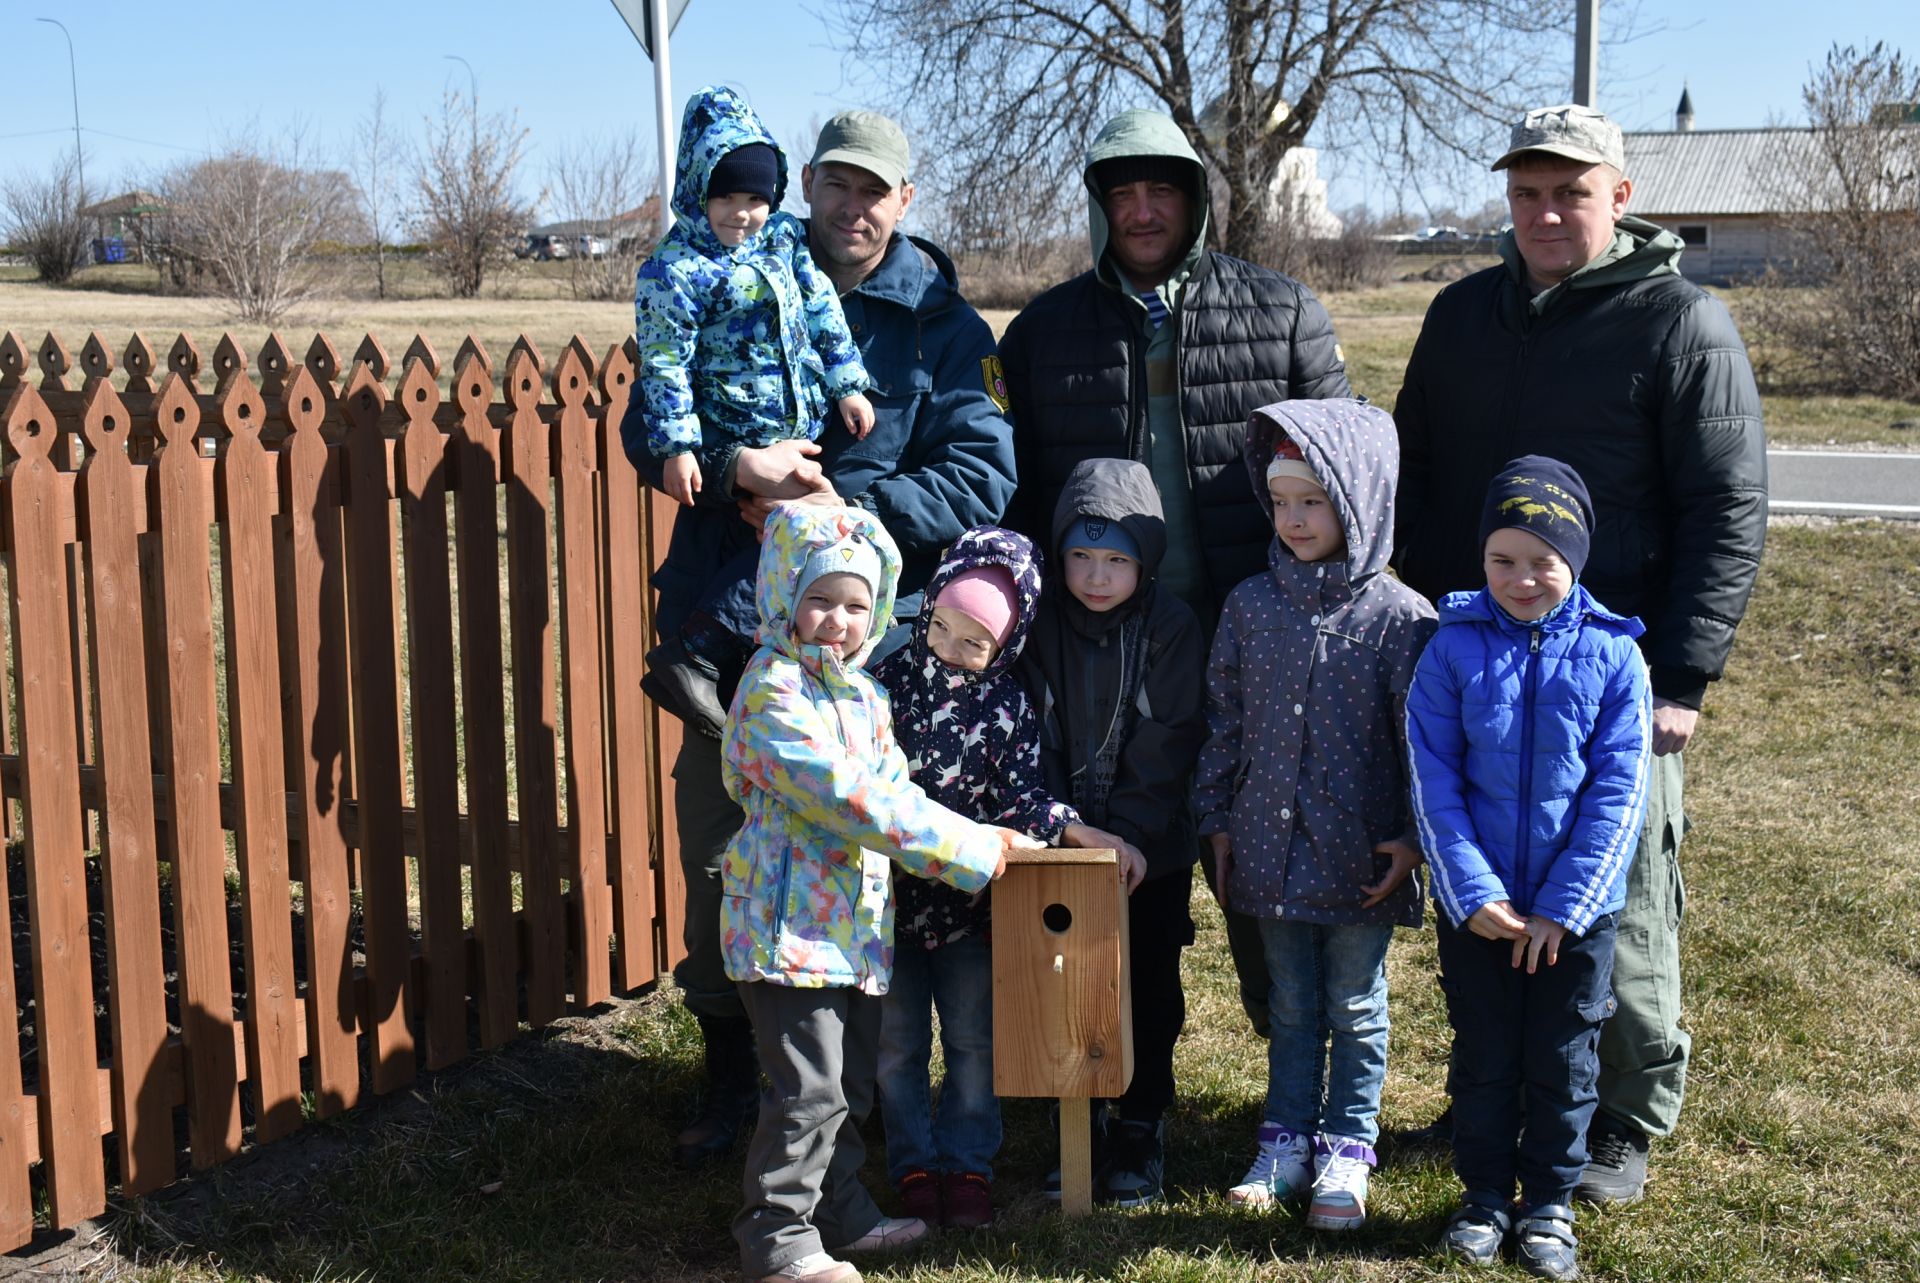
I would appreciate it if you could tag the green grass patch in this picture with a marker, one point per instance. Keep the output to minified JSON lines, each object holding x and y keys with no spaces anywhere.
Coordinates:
{"x":1795,"y":1158}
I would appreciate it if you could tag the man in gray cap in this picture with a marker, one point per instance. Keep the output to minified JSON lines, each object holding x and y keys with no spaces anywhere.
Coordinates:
{"x":1587,"y":345}
{"x":938,"y":461}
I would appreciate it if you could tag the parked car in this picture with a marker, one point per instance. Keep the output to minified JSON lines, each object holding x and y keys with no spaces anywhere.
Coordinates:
{"x":1446,"y":233}
{"x":542,"y":249}
{"x":590,"y":246}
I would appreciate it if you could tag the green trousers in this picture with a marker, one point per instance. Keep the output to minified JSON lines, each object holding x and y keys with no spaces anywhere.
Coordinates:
{"x":1643,"y":1049}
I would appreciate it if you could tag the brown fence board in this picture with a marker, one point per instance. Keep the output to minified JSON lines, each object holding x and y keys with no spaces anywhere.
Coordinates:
{"x":476,"y":448}
{"x":56,"y":877}
{"x":582,"y":671}
{"x":421,"y":469}
{"x":315,"y":642}
{"x":526,"y":476}
{"x":129,"y":872}
{"x":670,"y":883}
{"x":245,"y":491}
{"x":374,"y":666}
{"x":193,"y":762}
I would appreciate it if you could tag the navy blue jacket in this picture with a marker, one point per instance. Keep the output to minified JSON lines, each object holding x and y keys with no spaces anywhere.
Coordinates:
{"x":938,"y":461}
{"x":1530,"y":747}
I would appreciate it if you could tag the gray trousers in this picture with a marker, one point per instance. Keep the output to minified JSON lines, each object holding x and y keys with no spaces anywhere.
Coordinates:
{"x":707,"y":819}
{"x":1643,"y":1049}
{"x":819,"y":1048}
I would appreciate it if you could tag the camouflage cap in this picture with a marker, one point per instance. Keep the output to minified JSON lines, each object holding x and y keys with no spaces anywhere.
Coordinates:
{"x":1570,"y":130}
{"x":866,"y":139}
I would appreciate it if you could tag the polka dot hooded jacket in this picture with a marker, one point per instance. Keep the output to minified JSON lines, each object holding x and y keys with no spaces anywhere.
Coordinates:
{"x":1305,"y":760}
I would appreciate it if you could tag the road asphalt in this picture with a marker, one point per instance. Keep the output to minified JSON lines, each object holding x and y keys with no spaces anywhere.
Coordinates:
{"x":1845,"y":483}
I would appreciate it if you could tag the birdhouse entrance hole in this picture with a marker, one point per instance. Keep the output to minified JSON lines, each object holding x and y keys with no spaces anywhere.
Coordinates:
{"x":1056,"y":918}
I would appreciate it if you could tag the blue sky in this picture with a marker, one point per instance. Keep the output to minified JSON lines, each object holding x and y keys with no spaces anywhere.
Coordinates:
{"x":180,"y":78}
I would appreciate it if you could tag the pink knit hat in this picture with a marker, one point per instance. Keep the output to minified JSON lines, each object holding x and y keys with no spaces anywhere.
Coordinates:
{"x":984,"y":594}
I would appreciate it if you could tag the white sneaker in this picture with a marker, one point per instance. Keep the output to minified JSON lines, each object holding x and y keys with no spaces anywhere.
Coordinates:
{"x":816,"y":1267}
{"x":1280,"y":1170}
{"x":889,"y":1234}
{"x":1341,"y":1165}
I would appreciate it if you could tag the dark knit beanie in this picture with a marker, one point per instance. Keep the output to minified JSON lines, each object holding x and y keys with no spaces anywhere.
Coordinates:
{"x":1545,"y":498}
{"x":753,"y":168}
{"x":1120,"y":170}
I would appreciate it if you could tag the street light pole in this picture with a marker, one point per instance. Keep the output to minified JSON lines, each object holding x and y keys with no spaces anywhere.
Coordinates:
{"x":473,"y":97}
{"x":73,"y":79}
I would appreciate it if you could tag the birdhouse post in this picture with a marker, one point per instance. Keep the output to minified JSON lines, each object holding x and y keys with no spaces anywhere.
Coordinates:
{"x":1062,"y":1009}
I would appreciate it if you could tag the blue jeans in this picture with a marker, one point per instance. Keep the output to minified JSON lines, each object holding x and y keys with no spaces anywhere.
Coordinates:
{"x":957,"y":980}
{"x":1327,"y":1008}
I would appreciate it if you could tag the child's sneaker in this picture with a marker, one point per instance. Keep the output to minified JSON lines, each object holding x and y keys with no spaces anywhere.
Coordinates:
{"x":1097,"y":1133}
{"x":1477,"y":1228}
{"x":1341,"y":1164}
{"x":1543,"y":1242}
{"x":969,"y":1200}
{"x":817,"y":1267}
{"x":1282,"y":1168}
{"x":889,"y":1234}
{"x":920,"y":1195}
{"x":1139,"y":1163}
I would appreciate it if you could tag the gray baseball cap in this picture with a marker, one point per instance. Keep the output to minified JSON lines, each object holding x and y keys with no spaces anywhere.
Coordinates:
{"x":1570,"y":130}
{"x":867,"y":139}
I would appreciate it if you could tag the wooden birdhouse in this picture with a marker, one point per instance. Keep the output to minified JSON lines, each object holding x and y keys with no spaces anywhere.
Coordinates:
{"x":1062,"y":1002}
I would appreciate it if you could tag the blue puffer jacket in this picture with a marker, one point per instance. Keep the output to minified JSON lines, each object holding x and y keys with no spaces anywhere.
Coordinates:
{"x":1531,"y":746}
{"x":938,"y":461}
{"x":739,"y":345}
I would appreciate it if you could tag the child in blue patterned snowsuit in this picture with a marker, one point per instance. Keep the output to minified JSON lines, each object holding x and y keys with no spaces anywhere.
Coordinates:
{"x":742,"y":343}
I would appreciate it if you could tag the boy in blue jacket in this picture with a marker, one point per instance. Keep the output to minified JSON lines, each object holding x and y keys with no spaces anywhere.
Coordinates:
{"x":1528,"y":726}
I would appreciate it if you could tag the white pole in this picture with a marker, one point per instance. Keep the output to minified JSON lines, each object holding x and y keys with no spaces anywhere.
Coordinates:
{"x":1586,"y":53}
{"x":663,"y":110}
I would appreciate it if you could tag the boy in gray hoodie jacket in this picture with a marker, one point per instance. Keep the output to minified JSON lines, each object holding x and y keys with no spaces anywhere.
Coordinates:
{"x":1301,"y":790}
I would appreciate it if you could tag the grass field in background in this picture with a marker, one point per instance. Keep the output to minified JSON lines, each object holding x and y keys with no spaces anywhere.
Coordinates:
{"x":1795,"y":1159}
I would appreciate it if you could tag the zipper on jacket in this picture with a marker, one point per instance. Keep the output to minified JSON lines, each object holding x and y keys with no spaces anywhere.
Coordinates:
{"x":786,"y":891}
{"x":1529,"y":685}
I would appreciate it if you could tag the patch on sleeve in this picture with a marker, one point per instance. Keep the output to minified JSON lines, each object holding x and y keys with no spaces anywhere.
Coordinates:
{"x":996,"y":381}
{"x":1339,"y":355}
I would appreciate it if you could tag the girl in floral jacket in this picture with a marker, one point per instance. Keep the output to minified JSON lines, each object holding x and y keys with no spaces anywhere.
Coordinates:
{"x":807,"y":921}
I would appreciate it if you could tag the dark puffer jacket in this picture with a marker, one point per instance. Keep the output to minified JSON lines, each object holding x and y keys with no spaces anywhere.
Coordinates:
{"x":1122,"y":692}
{"x":971,"y":738}
{"x":1636,"y":379}
{"x":1076,"y":357}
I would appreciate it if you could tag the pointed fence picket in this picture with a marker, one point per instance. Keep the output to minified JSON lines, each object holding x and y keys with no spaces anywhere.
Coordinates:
{"x":332,"y":822}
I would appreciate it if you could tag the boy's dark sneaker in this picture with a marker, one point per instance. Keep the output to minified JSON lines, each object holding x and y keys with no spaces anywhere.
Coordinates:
{"x":1543,"y":1242}
{"x":920,"y":1195}
{"x":1437,"y":1134}
{"x":969,"y":1200}
{"x":686,"y":685}
{"x":1477,"y":1228}
{"x":1137,"y":1163}
{"x":1617,"y":1169}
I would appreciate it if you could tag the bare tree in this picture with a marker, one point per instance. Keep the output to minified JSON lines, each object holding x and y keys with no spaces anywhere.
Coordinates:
{"x":995,"y":86}
{"x":468,"y":210}
{"x":42,"y":220}
{"x":372,"y":168}
{"x":1849,"y":297}
{"x":246,"y":222}
{"x":602,"y":185}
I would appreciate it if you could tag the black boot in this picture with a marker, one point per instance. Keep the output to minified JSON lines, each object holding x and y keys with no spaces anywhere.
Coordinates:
{"x":732,"y":1097}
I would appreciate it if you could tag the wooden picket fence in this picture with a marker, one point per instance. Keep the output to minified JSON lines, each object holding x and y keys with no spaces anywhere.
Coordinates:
{"x":259,"y":676}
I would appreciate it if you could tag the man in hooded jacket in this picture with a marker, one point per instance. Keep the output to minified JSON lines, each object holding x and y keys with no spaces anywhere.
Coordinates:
{"x":1158,"y":354}
{"x":1588,"y":345}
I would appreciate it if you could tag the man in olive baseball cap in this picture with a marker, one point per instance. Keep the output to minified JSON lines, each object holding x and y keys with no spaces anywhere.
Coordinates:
{"x":1570,"y":131}
{"x":857,"y":190}
{"x":867,"y":139}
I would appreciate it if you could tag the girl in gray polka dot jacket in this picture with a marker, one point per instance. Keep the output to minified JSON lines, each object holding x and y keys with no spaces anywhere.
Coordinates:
{"x":1301,"y":790}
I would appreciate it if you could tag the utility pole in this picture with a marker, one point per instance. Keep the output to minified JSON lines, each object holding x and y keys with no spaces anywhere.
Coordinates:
{"x":73,"y":79}
{"x":473,"y":103}
{"x":1586,"y":52}
{"x":651,"y":22}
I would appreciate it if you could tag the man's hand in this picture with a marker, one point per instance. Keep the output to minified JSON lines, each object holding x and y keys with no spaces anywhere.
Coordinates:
{"x":783,"y":470}
{"x":857,"y":412}
{"x":1496,"y":920}
{"x":1672,"y":726}
{"x":1543,"y":935}
{"x":756,"y":511}
{"x":1406,"y":858}
{"x":1222,"y":844}
{"x":680,"y":478}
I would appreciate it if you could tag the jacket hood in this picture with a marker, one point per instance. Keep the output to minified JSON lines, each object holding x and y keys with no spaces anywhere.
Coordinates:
{"x":975,"y":549}
{"x":1117,"y":490}
{"x":1354,"y":450}
{"x":1640,"y":250}
{"x":794,"y":532}
{"x":1141,"y":132}
{"x":717,"y":120}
